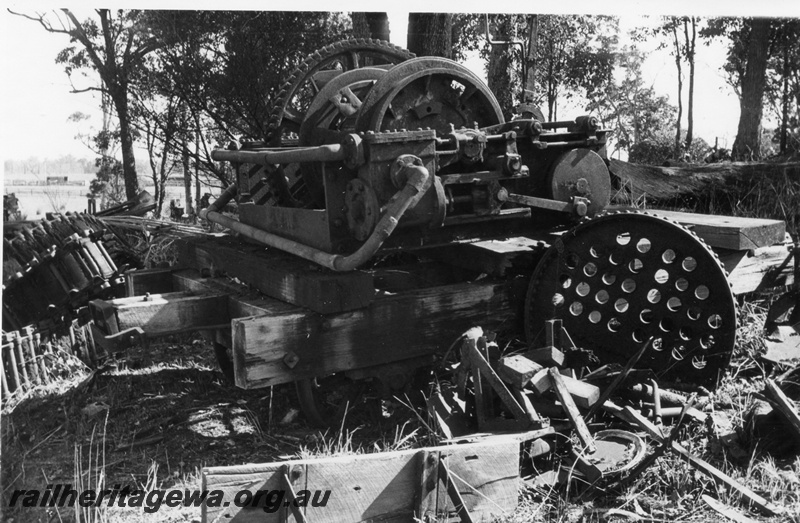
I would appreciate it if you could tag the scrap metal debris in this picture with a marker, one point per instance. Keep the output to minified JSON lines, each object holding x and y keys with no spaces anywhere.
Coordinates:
{"x":607,"y":427}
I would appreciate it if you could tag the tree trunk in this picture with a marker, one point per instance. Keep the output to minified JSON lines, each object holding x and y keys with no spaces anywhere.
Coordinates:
{"x":196,"y":172}
{"x":498,"y":70}
{"x":680,"y":92}
{"x":120,"y":100}
{"x":370,"y":25}
{"x":785,"y":97}
{"x":665,"y":183}
{"x":530,"y":59}
{"x":430,"y":34}
{"x":748,"y":135}
{"x":187,"y":177}
{"x":690,"y":46}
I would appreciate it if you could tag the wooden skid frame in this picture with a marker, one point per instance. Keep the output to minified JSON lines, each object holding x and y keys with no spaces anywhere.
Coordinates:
{"x":274,"y":342}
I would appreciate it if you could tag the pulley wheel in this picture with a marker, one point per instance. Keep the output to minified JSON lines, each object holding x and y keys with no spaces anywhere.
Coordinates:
{"x":330,"y":115}
{"x":428,"y":92}
{"x":580,"y":173}
{"x":619,"y":279}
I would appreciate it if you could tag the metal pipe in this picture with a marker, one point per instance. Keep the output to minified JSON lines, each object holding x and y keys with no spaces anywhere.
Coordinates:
{"x":322,"y":153}
{"x":227,"y":195}
{"x":399,"y":203}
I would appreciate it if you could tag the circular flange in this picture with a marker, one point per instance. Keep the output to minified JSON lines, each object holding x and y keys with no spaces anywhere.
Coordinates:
{"x":428,"y":91}
{"x":580,"y":173}
{"x":362,"y":209}
{"x":620,"y":278}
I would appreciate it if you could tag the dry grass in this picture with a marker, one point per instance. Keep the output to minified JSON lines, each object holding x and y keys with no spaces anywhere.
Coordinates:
{"x":775,"y":197}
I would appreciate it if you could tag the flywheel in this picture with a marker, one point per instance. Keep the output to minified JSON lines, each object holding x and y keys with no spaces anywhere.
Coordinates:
{"x":428,"y":92}
{"x":619,"y":279}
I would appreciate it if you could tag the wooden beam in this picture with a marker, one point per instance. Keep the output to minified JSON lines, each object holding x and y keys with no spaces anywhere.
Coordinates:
{"x":785,"y":407}
{"x":549,"y":356}
{"x":584,"y":394}
{"x":148,"y":281}
{"x":399,"y":327}
{"x":279,"y":275}
{"x":168,"y":313}
{"x":387,"y":486}
{"x":478,"y":362}
{"x":760,"y":270}
{"x":517,"y":370}
{"x":493,"y":257}
{"x":730,"y":232}
{"x":571,"y":410}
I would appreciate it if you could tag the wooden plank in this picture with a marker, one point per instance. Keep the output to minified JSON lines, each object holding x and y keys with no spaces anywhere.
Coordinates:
{"x":487,"y":478}
{"x":548,"y":356}
{"x":760,"y":270}
{"x":571,"y":410}
{"x":171,"y":312}
{"x":583,"y":394}
{"x":493,"y":257}
{"x":427,"y":494}
{"x":470,"y":351}
{"x":152,"y":281}
{"x":381,"y":488}
{"x":730,"y":232}
{"x":785,"y":407}
{"x":386,"y":486}
{"x":280,"y":275}
{"x":393,"y":328}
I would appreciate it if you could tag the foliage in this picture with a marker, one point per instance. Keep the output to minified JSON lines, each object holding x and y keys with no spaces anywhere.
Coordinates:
{"x":574,"y":55}
{"x":114,"y":45}
{"x":632,"y":108}
{"x":108,"y":184}
{"x":225,"y":69}
{"x":659,"y":149}
{"x":781,"y":93}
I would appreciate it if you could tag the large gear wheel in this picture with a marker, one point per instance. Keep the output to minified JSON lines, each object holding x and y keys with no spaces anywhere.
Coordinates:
{"x":621,"y":278}
{"x":298,"y":92}
{"x":428,"y":91}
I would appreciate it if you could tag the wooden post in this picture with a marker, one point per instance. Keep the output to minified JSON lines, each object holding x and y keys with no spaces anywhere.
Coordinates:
{"x":784,"y":406}
{"x":571,"y":410}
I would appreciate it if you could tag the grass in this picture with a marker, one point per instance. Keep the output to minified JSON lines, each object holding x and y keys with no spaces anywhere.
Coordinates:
{"x":178,"y":393}
{"x":774,"y":197}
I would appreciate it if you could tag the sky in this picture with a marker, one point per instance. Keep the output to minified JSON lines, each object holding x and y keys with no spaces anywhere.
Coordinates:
{"x":35,"y":101}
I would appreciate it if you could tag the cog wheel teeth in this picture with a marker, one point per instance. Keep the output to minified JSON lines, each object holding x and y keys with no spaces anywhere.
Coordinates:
{"x":696,"y":335}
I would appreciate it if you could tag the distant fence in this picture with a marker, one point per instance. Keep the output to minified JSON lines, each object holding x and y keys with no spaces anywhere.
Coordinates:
{"x":56,"y":182}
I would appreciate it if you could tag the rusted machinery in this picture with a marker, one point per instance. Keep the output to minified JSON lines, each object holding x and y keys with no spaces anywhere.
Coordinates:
{"x":393,"y":207}
{"x":374,"y":151}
